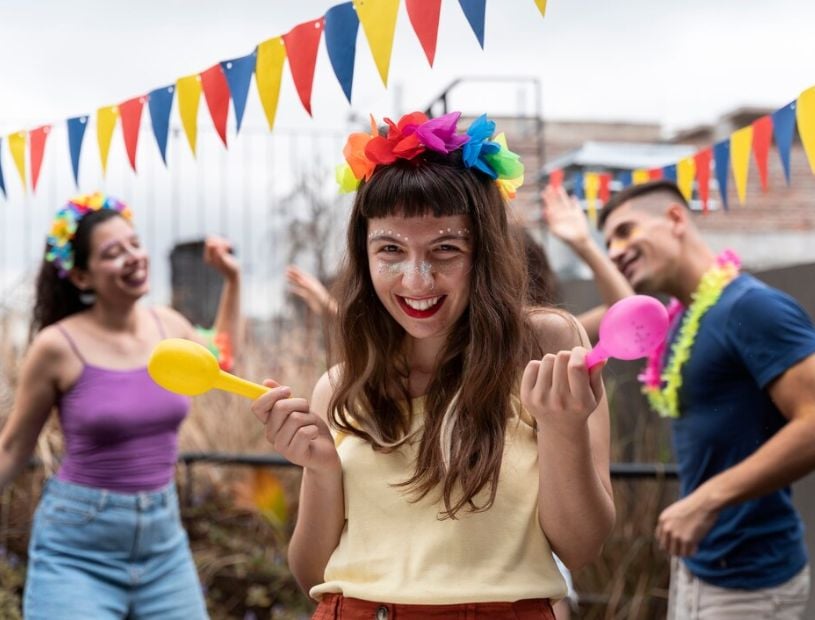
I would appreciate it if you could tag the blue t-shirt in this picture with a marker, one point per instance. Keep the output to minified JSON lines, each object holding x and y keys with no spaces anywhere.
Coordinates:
{"x":750,"y":337}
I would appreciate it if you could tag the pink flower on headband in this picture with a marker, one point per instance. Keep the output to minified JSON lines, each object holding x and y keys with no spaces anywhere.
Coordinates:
{"x":439,"y":134}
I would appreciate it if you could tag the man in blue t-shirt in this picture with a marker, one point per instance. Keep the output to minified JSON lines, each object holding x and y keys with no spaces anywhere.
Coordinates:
{"x":745,"y":425}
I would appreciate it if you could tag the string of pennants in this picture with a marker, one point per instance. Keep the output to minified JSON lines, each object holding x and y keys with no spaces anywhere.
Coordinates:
{"x":717,"y":161}
{"x":229,"y":80}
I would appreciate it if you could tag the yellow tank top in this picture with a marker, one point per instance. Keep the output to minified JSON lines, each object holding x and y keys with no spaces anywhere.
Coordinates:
{"x":395,"y":550}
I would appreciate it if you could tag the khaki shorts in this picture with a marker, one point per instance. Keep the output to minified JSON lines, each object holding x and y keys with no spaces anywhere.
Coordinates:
{"x":692,"y":599}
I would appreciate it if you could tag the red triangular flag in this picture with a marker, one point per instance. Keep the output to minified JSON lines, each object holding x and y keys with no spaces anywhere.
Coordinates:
{"x":762,"y":138}
{"x":424,"y":17}
{"x":556,"y":178}
{"x":655,"y":174}
{"x":216,"y":93}
{"x":36,"y":144}
{"x":604,"y":191}
{"x":130,"y":113}
{"x":702,"y":160}
{"x":301,"y":44}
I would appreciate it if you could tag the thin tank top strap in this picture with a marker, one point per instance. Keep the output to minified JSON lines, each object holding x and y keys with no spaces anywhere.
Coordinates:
{"x":71,"y":342}
{"x":158,"y":322}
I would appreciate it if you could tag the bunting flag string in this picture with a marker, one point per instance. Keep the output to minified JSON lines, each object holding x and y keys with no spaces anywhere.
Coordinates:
{"x":36,"y":150}
{"x":341,"y":28}
{"x":230,"y":80}
{"x":424,"y":17}
{"x":2,"y":178}
{"x":76,"y":133}
{"x":729,"y":156}
{"x":16,"y":144}
{"x":130,"y":113}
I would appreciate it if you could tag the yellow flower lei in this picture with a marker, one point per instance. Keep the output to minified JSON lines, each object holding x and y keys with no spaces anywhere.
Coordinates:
{"x":664,"y":399}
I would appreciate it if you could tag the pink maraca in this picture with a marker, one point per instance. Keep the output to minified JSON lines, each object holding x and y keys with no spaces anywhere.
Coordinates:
{"x":630,"y":329}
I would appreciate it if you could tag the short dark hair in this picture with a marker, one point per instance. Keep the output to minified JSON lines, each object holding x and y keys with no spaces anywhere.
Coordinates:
{"x":662,"y":186}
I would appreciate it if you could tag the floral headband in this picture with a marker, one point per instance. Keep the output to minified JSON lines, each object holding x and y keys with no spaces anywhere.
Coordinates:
{"x":59,"y":244}
{"x":415,"y":133}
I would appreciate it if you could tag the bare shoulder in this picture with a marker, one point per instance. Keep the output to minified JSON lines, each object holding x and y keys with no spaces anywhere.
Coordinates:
{"x":323,"y":392}
{"x":49,"y":351}
{"x":557,"y":330}
{"x":175,"y":324}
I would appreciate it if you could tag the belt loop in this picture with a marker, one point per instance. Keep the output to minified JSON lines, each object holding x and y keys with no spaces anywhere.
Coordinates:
{"x":103,"y":498}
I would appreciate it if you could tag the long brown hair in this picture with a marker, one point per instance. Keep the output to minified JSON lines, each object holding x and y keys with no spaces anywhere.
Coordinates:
{"x":467,"y":404}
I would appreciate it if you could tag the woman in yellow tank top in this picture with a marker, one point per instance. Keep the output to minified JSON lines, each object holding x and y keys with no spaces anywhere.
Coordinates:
{"x":442,"y":467}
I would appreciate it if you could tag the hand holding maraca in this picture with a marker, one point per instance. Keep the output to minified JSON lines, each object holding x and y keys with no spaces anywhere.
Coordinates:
{"x":295,"y":432}
{"x":302,"y":437}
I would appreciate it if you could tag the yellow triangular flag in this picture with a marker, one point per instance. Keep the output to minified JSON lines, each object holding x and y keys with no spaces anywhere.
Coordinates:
{"x":591,"y":185}
{"x":379,"y":23}
{"x":685,"y":174}
{"x":741,"y":142}
{"x":541,"y":4}
{"x":105,"y":124}
{"x":16,"y":144}
{"x":805,"y":115}
{"x":639,"y":176}
{"x":189,"y":96}
{"x":268,"y":73}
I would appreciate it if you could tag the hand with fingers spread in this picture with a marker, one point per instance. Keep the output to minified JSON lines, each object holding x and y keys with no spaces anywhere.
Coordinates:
{"x":294,"y":431}
{"x":311,"y":290}
{"x":564,"y":216}
{"x":684,"y":523}
{"x":560,"y":392}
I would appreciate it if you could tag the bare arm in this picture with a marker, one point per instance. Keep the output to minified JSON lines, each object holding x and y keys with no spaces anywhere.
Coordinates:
{"x":300,"y":433}
{"x":36,"y":394}
{"x":568,"y":223}
{"x":311,"y":290}
{"x":786,"y":457}
{"x":576,"y":506}
{"x":228,"y":318}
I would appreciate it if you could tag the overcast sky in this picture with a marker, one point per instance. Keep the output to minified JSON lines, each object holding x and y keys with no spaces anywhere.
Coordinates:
{"x":674,"y":62}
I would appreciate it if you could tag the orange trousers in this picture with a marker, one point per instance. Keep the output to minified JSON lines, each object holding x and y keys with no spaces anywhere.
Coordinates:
{"x":338,"y":607}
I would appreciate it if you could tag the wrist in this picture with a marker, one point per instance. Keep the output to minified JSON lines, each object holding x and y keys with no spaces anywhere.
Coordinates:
{"x":713,"y":496}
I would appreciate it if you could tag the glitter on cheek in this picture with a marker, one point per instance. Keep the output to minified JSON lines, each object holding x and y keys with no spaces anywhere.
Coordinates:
{"x":423,"y":268}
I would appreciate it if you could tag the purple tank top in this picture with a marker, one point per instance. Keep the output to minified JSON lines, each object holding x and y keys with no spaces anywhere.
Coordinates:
{"x":120,"y":428}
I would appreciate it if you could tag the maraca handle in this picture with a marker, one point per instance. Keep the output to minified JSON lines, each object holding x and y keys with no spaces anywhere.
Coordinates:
{"x":242,"y":387}
{"x":595,"y":356}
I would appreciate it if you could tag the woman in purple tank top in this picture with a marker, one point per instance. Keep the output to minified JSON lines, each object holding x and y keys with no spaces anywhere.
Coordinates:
{"x":107,"y":540}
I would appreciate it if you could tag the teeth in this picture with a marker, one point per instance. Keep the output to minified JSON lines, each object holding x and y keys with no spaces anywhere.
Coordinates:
{"x":421,"y":304}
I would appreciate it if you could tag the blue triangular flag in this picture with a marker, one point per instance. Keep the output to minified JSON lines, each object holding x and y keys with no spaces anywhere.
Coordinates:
{"x":341,"y":26}
{"x":625,"y":178}
{"x":76,"y":132}
{"x":238,"y":72}
{"x":784,"y":132}
{"x":474,"y":11}
{"x":577,"y":185}
{"x":160,"y":102}
{"x":721,"y":161}
{"x":2,"y":180}
{"x":669,"y":173}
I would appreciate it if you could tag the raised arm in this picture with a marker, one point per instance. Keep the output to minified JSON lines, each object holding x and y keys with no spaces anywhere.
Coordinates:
{"x":36,"y":394}
{"x":567,"y":222}
{"x":311,"y":290}
{"x":218,"y":254}
{"x":576,"y":506}
{"x":300,"y":433}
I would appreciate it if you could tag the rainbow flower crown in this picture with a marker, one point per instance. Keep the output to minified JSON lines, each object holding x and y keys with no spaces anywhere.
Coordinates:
{"x":59,"y":243}
{"x":415,"y":133}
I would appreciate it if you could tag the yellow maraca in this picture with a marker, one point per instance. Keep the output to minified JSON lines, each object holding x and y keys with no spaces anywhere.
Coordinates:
{"x":185,"y":367}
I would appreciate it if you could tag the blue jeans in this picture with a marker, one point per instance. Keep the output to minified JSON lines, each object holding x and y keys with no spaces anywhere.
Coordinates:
{"x":103,"y":555}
